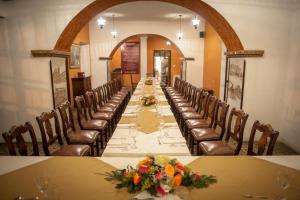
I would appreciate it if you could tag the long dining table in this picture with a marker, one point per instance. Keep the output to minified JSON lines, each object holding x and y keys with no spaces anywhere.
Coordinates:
{"x":146,"y":130}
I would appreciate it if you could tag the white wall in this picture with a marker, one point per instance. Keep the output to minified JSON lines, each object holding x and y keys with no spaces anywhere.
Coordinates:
{"x":102,"y":44}
{"x":290,"y":118}
{"x":269,"y":88}
{"x":25,"y":85}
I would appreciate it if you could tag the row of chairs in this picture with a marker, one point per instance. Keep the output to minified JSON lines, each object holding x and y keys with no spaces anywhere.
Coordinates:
{"x":202,"y":120}
{"x":81,"y":142}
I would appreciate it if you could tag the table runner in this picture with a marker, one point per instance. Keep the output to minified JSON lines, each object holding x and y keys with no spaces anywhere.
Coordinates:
{"x":147,"y":119}
{"x":80,"y":178}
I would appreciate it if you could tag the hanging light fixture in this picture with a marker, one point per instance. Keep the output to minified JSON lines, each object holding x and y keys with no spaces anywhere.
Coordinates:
{"x":180,"y":34}
{"x":114,"y":32}
{"x":101,"y":22}
{"x":196,"y":22}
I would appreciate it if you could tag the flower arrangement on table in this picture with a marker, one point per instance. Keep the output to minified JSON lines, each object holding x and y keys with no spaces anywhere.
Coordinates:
{"x":148,"y":82}
{"x":159,"y":176}
{"x":148,"y":100}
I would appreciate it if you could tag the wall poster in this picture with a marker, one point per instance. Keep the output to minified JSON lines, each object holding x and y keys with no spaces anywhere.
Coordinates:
{"x":59,"y":80}
{"x":75,"y":56}
{"x":130,"y":58}
{"x":234,"y":81}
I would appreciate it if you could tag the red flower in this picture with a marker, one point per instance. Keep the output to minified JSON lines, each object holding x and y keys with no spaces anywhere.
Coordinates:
{"x":161,"y":191}
{"x":144,"y":169}
{"x":158,"y":175}
{"x":179,"y":166}
{"x":196,"y":177}
{"x":125,"y":174}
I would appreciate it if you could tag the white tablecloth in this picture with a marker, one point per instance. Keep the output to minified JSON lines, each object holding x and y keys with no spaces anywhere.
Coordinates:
{"x":166,"y":142}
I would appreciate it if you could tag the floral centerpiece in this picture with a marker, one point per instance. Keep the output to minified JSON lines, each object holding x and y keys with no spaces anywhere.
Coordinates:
{"x":159,"y":176}
{"x":148,"y":82}
{"x":148,"y":100}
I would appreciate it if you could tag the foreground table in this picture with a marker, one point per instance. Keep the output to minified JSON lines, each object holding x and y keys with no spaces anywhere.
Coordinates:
{"x":82,"y":177}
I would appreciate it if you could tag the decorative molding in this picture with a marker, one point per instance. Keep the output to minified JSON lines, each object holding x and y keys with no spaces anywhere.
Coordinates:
{"x":245,"y":53}
{"x":105,"y":58}
{"x":49,"y":53}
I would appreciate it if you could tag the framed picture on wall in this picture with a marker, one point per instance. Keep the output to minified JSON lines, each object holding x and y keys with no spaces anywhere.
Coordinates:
{"x":234,"y":81}
{"x":75,"y":56}
{"x":59,"y":80}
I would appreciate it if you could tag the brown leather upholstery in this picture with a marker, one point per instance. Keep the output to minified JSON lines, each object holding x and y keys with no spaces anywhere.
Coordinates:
{"x":186,"y":109}
{"x":223,"y":147}
{"x":205,"y":134}
{"x":103,"y":115}
{"x":182,"y":104}
{"x":72,"y":150}
{"x":215,"y":133}
{"x":212,"y":148}
{"x":49,"y":137}
{"x":94,"y":125}
{"x":83,"y":137}
{"x":16,"y":134}
{"x":267,"y":139}
{"x":72,"y":136}
{"x":191,"y":115}
{"x":197,"y":123}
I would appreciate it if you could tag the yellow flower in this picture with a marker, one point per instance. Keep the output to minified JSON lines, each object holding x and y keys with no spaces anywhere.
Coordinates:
{"x":177,"y":180}
{"x":162,"y":160}
{"x":142,"y":162}
{"x":169,"y":169}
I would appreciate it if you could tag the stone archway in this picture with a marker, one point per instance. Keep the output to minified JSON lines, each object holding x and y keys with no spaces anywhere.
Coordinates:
{"x":219,"y":23}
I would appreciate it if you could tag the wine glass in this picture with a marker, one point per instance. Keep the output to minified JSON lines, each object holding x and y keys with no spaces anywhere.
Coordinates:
{"x":42,"y":184}
{"x":283,"y":180}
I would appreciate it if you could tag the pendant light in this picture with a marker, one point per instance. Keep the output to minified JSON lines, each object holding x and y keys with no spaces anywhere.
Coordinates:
{"x":180,"y":34}
{"x":114,"y":32}
{"x":101,"y":22}
{"x":196,"y":22}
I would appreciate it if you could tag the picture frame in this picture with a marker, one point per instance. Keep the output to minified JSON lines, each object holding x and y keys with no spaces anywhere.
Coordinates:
{"x":235,"y":81}
{"x":59,"y":80}
{"x":75,"y":56}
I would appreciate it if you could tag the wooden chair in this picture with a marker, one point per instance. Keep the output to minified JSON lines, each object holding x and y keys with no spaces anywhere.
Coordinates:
{"x":90,"y":124}
{"x":216,"y":132}
{"x":74,"y":136}
{"x":207,"y":121}
{"x":266,"y":141}
{"x":16,"y":134}
{"x":95,"y":114}
{"x":223,"y":147}
{"x":50,"y":137}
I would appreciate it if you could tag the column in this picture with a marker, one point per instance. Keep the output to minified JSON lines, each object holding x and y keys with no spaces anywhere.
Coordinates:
{"x":143,"y":56}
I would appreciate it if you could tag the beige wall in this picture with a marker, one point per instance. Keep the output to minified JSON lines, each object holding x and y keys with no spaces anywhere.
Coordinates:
{"x":212,"y":60}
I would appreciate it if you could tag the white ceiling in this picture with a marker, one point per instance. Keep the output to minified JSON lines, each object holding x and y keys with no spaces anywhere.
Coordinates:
{"x":148,"y":10}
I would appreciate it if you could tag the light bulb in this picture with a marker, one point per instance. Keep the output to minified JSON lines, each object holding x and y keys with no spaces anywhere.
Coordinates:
{"x":179,"y":35}
{"x":196,"y":22}
{"x":101,"y":22}
{"x":114,"y":34}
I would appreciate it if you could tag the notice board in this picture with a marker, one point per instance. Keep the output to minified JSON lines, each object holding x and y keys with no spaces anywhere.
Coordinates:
{"x":130,"y":58}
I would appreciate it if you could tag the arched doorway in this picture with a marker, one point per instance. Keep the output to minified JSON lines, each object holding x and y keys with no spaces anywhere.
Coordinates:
{"x":155,"y":43}
{"x":219,"y":23}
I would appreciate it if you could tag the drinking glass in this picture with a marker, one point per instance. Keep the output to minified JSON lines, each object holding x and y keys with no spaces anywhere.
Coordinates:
{"x":283,"y":180}
{"x":42,"y":184}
